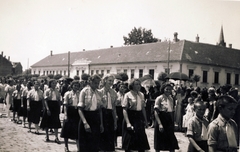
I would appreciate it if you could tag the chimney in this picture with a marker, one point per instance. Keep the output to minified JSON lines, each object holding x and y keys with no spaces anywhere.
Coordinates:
{"x":8,"y":58}
{"x":175,"y":37}
{"x":111,"y":46}
{"x":230,"y":46}
{"x":51,"y":53}
{"x":197,"y":38}
{"x":83,"y":49}
{"x":2,"y":53}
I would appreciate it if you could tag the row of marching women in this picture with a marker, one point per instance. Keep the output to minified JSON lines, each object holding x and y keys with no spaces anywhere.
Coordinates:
{"x":96,"y":113}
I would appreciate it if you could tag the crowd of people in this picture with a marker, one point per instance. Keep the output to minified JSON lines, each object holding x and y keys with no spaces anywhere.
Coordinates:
{"x":97,"y":111}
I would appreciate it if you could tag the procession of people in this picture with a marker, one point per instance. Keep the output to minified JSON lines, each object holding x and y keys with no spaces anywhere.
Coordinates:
{"x":97,"y":111}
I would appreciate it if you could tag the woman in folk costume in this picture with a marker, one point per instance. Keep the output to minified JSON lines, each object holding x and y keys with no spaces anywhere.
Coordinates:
{"x":108,"y":113}
{"x":34,"y":106}
{"x":52,"y":110}
{"x":134,"y":136}
{"x":90,"y":112}
{"x":164,"y":138}
{"x":71,"y":116}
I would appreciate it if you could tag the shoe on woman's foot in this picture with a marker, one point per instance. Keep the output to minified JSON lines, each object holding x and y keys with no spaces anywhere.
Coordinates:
{"x":57,"y":141}
{"x":47,"y":139}
{"x":66,"y":149}
{"x":36,"y":132}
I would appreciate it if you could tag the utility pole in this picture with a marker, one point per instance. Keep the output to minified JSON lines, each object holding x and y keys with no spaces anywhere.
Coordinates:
{"x":168,"y":70}
{"x":68,"y":63}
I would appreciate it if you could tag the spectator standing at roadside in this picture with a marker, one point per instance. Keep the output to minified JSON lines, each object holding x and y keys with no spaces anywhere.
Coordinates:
{"x":181,"y":94}
{"x":197,"y":129}
{"x":222,"y":132}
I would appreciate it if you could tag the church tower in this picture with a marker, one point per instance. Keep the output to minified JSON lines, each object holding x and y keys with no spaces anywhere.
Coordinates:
{"x":221,"y":38}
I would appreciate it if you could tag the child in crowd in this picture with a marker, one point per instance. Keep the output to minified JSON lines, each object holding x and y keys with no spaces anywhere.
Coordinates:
{"x":189,"y":113}
{"x":197,"y":129}
{"x":222,"y":132}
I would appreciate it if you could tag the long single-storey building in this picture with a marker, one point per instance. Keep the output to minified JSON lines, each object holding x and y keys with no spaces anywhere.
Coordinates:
{"x":216,"y":64}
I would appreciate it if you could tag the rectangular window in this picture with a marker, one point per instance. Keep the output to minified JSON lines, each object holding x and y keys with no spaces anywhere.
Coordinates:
{"x":92,"y":72}
{"x":125,"y":71}
{"x":102,"y":72}
{"x":53,"y":72}
{"x":190,"y":73}
{"x":43,"y":72}
{"x":39,"y":72}
{"x":228,"y":78}
{"x":216,"y":77}
{"x":83,"y":71}
{"x":97,"y":71}
{"x":33,"y":72}
{"x":132,"y":73}
{"x":64,"y":72}
{"x":50,"y":72}
{"x":236,"y":79}
{"x":108,"y":71}
{"x":205,"y":76}
{"x":140,"y":73}
{"x":77,"y":72}
{"x":151,"y":72}
{"x":56,"y":72}
{"x":47,"y":72}
{"x":61,"y":72}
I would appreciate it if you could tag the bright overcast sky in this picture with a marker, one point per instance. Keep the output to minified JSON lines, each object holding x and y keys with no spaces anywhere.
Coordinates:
{"x":29,"y":29}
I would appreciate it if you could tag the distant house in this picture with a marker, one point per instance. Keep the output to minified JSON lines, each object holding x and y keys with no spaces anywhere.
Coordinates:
{"x":216,"y":64}
{"x":16,"y":68}
{"x":5,"y":66}
{"x":9,"y":68}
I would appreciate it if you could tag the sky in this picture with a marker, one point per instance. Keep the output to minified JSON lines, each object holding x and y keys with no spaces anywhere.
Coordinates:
{"x":30,"y":29}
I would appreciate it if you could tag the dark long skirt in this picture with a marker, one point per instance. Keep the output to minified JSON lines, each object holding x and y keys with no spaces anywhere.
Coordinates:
{"x":70,"y":126}
{"x":89,"y":142}
{"x":23,"y":110}
{"x":52,"y":121}
{"x":119,"y":111}
{"x":137,"y":139}
{"x":165,"y":140}
{"x":35,"y":111}
{"x":107,"y":137}
{"x":16,"y":105}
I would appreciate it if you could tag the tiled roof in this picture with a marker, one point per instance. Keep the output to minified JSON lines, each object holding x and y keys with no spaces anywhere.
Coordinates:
{"x":210,"y":54}
{"x":152,"y":52}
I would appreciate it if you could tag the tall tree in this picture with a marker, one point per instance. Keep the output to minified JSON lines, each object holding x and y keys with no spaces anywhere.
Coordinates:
{"x":139,"y":36}
{"x":195,"y":78}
